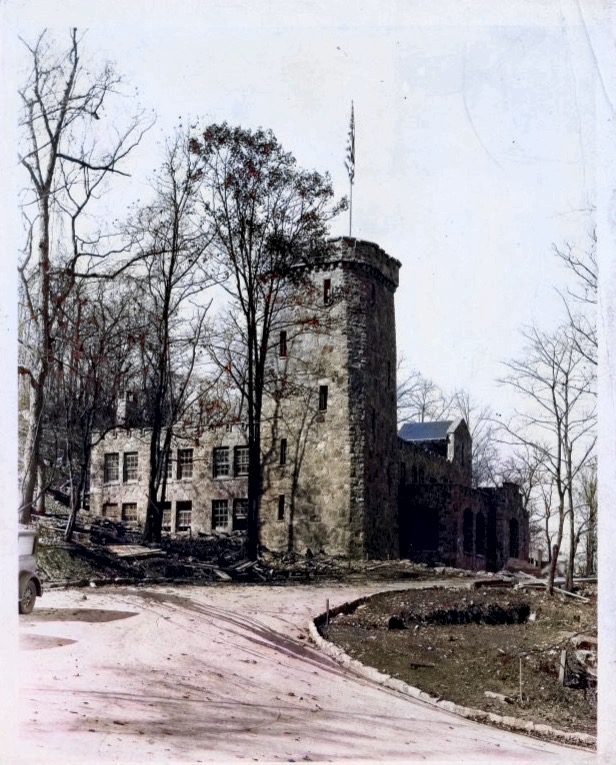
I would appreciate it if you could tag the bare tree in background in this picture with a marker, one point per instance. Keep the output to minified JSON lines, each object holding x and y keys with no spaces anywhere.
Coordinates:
{"x":482,"y":427}
{"x":557,"y":421}
{"x":68,"y":152}
{"x":90,"y":370}
{"x":170,"y":276}
{"x":419,"y":398}
{"x":525,"y":468}
{"x":422,"y":400}
{"x":581,"y":299}
{"x":588,"y":498}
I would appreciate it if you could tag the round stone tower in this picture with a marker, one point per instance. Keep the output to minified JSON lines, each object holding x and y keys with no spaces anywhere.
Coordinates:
{"x":335,"y":414}
{"x":370,"y":279}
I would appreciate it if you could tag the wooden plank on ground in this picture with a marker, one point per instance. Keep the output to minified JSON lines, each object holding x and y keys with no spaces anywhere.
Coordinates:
{"x":135,"y":551}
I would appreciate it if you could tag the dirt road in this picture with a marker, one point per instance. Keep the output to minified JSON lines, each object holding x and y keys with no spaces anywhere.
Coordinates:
{"x":219,"y":674}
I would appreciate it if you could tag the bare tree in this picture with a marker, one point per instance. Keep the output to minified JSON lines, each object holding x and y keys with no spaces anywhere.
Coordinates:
{"x":482,"y":427}
{"x":419,"y":398}
{"x":169,"y":248}
{"x":68,"y":156}
{"x":558,"y":420}
{"x":588,"y":498}
{"x":524,"y":468}
{"x":581,"y":299}
{"x":268,"y":220}
{"x":90,"y":370}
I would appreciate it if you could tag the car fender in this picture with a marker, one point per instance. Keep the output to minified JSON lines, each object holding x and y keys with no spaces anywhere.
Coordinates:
{"x":25,"y":577}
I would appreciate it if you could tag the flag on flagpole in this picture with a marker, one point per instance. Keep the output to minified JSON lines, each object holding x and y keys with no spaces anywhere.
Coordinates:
{"x":350,"y":155}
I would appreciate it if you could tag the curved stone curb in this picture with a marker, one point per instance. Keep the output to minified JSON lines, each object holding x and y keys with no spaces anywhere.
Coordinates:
{"x":478,"y":715}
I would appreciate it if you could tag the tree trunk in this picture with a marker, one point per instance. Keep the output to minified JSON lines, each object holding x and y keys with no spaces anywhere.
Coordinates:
{"x":253,"y":541}
{"x":72,"y":517}
{"x":30,"y":455}
{"x":153,"y":528}
{"x":556,"y":547}
{"x":40,"y":489}
{"x":32,"y":444}
{"x":572,"y":544}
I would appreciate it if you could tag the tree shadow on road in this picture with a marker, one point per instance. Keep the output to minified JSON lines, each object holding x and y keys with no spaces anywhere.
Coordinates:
{"x":79,"y":615}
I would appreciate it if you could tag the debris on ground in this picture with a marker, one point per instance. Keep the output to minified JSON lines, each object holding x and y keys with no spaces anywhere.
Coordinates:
{"x":106,"y":550}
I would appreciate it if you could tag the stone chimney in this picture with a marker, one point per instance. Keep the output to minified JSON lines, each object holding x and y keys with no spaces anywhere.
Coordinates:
{"x":126,"y":408}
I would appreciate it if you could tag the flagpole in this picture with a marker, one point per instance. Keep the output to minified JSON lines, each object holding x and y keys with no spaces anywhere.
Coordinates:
{"x":350,"y":165}
{"x":351,"y":210}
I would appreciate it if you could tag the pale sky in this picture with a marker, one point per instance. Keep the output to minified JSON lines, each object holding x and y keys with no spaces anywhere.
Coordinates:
{"x":475,"y":147}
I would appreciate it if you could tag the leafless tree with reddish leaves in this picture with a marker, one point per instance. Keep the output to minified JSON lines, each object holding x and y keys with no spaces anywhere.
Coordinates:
{"x":268,"y":222}
{"x":91,"y":365}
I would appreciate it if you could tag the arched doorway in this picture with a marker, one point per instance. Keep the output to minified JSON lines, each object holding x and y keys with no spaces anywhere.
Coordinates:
{"x":467,"y":532}
{"x":514,"y":538}
{"x":480,"y":534}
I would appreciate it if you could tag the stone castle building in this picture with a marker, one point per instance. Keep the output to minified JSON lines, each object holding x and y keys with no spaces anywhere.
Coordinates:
{"x":337,"y":475}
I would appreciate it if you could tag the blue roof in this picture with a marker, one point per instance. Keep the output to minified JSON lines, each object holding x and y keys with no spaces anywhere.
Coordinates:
{"x":425,"y":431}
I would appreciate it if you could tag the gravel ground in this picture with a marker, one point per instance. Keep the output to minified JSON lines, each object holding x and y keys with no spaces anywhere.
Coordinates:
{"x":222,"y":674}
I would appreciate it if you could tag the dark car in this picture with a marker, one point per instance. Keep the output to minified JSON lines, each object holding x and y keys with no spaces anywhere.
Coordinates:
{"x":29,"y":581}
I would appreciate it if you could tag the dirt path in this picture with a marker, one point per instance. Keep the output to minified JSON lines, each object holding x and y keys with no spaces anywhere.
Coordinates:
{"x":224,"y":673}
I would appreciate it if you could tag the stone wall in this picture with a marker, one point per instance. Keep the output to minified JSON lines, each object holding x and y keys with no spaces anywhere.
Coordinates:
{"x":442,"y":519}
{"x":201,"y":488}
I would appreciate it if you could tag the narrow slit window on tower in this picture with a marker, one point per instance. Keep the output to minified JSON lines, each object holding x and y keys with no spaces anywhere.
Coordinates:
{"x":322,"y":398}
{"x":281,"y":507}
{"x":327,"y":291}
{"x":283,"y":451}
{"x":282,"y":350}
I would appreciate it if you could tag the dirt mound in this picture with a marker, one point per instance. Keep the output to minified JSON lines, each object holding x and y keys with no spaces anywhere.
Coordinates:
{"x":481,"y":649}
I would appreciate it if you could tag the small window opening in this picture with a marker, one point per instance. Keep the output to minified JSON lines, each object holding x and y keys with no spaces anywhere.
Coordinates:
{"x":131,"y":463}
{"x":240,"y":514}
{"x":166,"y":510}
{"x":129,"y":512}
{"x":183,"y":515}
{"x":281,"y":507}
{"x":220,"y":461}
{"x":185,"y":463}
{"x":220,"y":514}
{"x":323,"y":398}
{"x":282,"y":350}
{"x":327,"y":291}
{"x":283,"y":451}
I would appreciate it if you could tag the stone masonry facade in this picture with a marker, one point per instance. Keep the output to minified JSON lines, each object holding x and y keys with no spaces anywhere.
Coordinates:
{"x":443,"y":519}
{"x":336,"y":475}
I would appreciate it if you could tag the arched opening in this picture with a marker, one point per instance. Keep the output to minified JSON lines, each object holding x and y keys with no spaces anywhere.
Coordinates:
{"x":480,"y":534}
{"x":467,"y":531}
{"x":514,"y":538}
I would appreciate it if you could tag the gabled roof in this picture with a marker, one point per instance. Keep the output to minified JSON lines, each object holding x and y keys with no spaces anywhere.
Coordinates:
{"x":426,"y":431}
